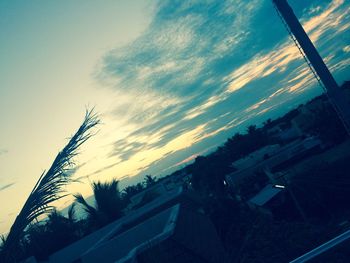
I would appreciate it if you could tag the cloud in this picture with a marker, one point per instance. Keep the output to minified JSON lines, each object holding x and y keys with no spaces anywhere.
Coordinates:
{"x":3,"y":151}
{"x":190,"y":158}
{"x":178,"y":45}
{"x":96,"y":172}
{"x":3,"y":187}
{"x":204,"y":69}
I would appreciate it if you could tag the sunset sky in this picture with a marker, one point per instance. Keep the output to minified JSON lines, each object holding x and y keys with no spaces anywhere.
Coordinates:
{"x":170,"y":80}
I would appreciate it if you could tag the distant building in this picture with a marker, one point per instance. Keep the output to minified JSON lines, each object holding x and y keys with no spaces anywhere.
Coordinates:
{"x":180,"y":178}
{"x":167,"y":229}
{"x":265,"y":196}
{"x":257,"y":156}
{"x":272,"y":157}
{"x":163,"y":186}
{"x":275,"y":201}
{"x":174,"y":235}
{"x":151,"y":192}
{"x":268,"y":198}
{"x":285,"y":132}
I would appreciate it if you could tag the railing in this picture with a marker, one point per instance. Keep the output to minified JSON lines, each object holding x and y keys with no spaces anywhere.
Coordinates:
{"x":322,"y":248}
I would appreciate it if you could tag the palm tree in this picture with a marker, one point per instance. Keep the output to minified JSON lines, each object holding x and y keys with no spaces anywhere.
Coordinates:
{"x":43,"y":239}
{"x":149,"y":180}
{"x":48,"y":188}
{"x":108,"y":204}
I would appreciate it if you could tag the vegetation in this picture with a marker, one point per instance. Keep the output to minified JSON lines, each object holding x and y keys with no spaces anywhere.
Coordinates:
{"x":249,"y":235}
{"x":325,"y":123}
{"x":252,"y":236}
{"x":108,"y":204}
{"x":149,"y":180}
{"x":43,"y":239}
{"x":48,"y":189}
{"x":322,"y":192}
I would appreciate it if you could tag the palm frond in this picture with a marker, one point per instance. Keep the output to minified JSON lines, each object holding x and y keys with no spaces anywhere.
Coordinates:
{"x":49,"y":187}
{"x":108,"y":203}
{"x":90,"y":210}
{"x":108,"y":199}
{"x":106,"y":194}
{"x":71,"y":213}
{"x":2,"y":239}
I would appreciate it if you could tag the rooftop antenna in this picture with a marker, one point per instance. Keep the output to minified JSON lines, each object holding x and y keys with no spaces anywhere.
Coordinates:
{"x":314,"y":61}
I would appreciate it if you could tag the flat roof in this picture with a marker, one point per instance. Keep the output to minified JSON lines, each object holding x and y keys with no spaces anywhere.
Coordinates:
{"x":126,"y":245}
{"x":265,"y":195}
{"x":89,"y":242}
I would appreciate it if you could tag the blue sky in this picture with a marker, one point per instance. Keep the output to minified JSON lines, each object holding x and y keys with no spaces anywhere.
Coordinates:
{"x":171,"y":79}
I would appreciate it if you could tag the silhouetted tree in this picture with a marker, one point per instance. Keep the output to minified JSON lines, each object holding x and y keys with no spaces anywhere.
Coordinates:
{"x":108,"y":204}
{"x":43,"y":239}
{"x":326,"y":124}
{"x":150,"y":180}
{"x":208,"y":175}
{"x":48,"y":188}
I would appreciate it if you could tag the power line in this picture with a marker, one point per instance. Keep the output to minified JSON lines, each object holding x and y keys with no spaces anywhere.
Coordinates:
{"x":317,"y":77}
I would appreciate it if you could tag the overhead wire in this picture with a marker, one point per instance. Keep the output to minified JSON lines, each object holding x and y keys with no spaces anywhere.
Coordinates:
{"x":309,"y":64}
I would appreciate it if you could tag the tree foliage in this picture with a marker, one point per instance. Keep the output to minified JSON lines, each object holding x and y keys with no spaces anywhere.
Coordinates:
{"x":48,"y":188}
{"x":45,"y":238}
{"x":108,"y":204}
{"x":149,"y":180}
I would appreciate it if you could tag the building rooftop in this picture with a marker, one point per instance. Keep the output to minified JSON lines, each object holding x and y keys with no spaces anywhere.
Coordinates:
{"x":75,"y":250}
{"x":168,"y":229}
{"x":124,"y":246}
{"x":265,"y":195}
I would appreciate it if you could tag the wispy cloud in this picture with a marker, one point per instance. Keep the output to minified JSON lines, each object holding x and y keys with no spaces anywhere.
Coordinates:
{"x":3,"y":187}
{"x":3,"y":151}
{"x":205,"y":68}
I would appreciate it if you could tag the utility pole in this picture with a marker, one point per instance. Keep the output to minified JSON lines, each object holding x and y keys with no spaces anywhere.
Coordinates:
{"x":283,"y":181}
{"x":295,"y":200}
{"x":315,"y":61}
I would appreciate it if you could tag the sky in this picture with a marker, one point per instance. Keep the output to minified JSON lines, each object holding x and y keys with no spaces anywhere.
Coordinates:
{"x":170,"y":80}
